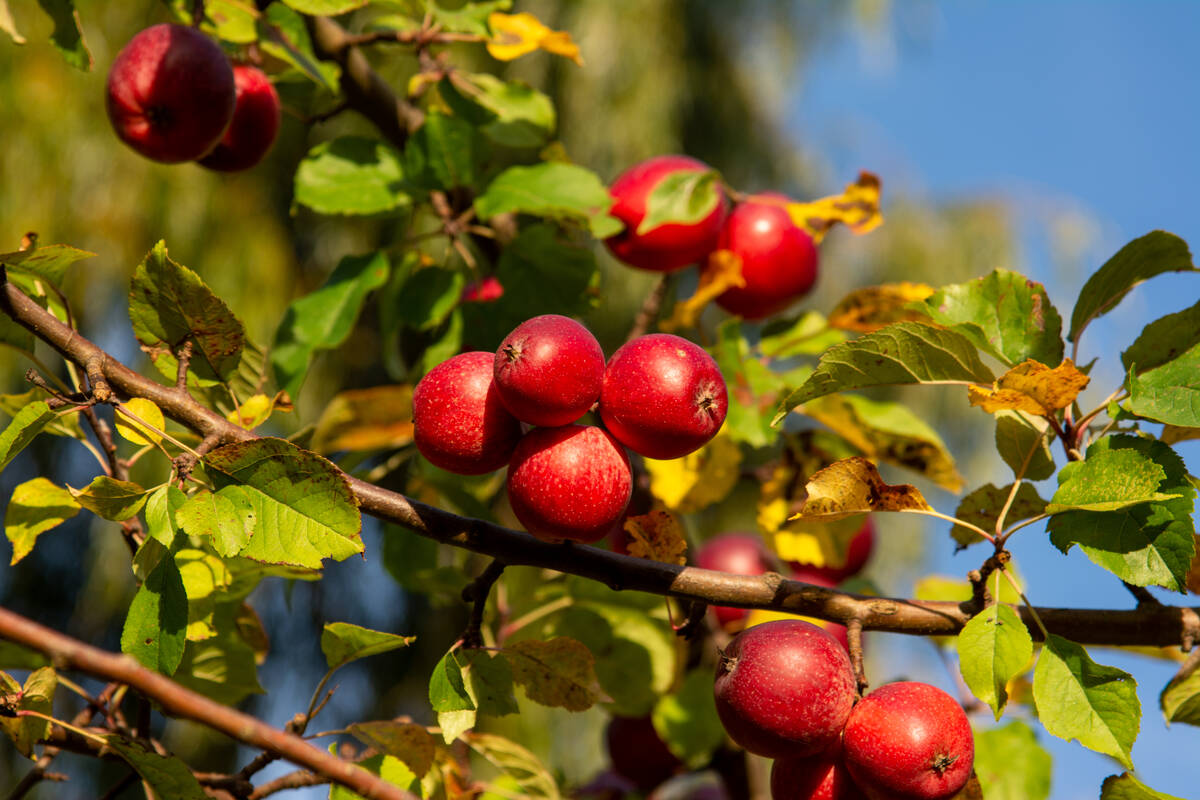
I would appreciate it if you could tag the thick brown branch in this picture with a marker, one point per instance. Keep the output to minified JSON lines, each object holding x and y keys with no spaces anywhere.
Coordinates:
{"x":1148,"y":625}
{"x":176,"y":701}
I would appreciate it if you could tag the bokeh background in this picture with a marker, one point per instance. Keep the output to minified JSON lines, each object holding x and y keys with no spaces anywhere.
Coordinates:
{"x":1035,"y":137}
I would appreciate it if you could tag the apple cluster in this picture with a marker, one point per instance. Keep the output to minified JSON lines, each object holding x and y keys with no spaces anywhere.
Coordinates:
{"x":778,"y":258}
{"x":786,"y":690}
{"x":659,"y":395}
{"x":173,"y":96}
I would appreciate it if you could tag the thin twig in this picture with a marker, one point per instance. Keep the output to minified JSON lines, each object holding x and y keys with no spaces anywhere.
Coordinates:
{"x":854,"y":631}
{"x":476,"y":593}
{"x":650,"y":308}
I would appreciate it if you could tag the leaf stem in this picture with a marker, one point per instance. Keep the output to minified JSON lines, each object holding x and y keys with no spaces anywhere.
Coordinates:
{"x":969,"y":526}
{"x":1022,"y":524}
{"x":1032,"y":611}
{"x":127,"y":413}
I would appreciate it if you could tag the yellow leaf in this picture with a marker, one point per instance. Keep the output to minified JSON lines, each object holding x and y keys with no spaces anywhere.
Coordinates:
{"x":873,"y":307}
{"x":853,"y":486}
{"x":657,"y":536}
{"x":817,"y":544}
{"x":1031,"y":387}
{"x":258,"y":409}
{"x":377,"y":418}
{"x":515,"y":35}
{"x":698,"y":479}
{"x":857,"y":207}
{"x":560,"y":672}
{"x":134,"y":432}
{"x":758,"y":616}
{"x":723,"y":271}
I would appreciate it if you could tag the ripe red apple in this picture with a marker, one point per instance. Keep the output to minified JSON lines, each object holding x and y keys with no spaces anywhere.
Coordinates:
{"x":779,"y":259}
{"x":638,"y":753}
{"x":857,"y":555}
{"x":784,"y":689}
{"x":740,"y":554}
{"x":549,"y":370}
{"x":909,"y":741}
{"x":663,"y":396}
{"x":572,"y":482}
{"x":819,"y":777}
{"x":254,"y":126}
{"x":483,"y":291}
{"x":459,"y":423}
{"x":666,"y":247}
{"x":171,"y":93}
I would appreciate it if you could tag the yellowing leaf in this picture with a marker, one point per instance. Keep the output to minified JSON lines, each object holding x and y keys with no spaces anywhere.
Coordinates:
{"x":698,"y":479}
{"x":1032,"y":387}
{"x":377,"y":418}
{"x":515,"y":35}
{"x":560,"y":672}
{"x":658,"y":537}
{"x":853,"y":486}
{"x":857,"y":207}
{"x":819,"y":544}
{"x":722,"y":271}
{"x":258,"y":409}
{"x":872,"y":307}
{"x":134,"y":432}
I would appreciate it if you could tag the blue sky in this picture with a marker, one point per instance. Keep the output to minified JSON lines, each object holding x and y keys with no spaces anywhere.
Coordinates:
{"x":1083,"y":110}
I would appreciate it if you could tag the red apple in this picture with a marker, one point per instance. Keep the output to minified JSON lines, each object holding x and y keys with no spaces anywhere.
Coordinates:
{"x":572,"y":482}
{"x":663,"y":396}
{"x":666,"y":247}
{"x":819,"y":777}
{"x":254,"y":126}
{"x":856,"y":557}
{"x":484,"y":291}
{"x":171,"y":93}
{"x":549,"y":370}
{"x":740,"y":554}
{"x":784,"y":689}
{"x":459,"y":423}
{"x":638,"y":753}
{"x":779,"y":259}
{"x":909,"y":741}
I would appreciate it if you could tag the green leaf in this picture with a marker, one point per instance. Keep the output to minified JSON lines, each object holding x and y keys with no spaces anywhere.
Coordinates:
{"x":470,"y":18}
{"x":391,"y":769}
{"x":323,"y":319}
{"x":155,"y":630}
{"x":993,"y":647}
{"x":7,"y":25}
{"x":683,"y":198}
{"x":1150,"y":543}
{"x":1108,"y":480}
{"x":352,"y":175}
{"x":982,"y":508}
{"x":206,"y":580}
{"x":284,"y":34}
{"x":413,"y":562}
{"x":66,"y":425}
{"x":1003,"y":313}
{"x":110,"y":498}
{"x":1180,"y":699}
{"x":902,"y":353}
{"x":1164,"y":340}
{"x":465,"y":682}
{"x":15,"y":656}
{"x":303,"y":505}
{"x":449,"y":697}
{"x":226,"y":515}
{"x":325,"y":8}
{"x":407,"y":741}
{"x":47,"y":262}
{"x":1010,"y":763}
{"x":13,"y":334}
{"x":36,"y":695}
{"x":222,"y":667}
{"x":560,"y":672}
{"x":531,"y":777}
{"x":1077,"y":698}
{"x":1127,"y":787}
{"x":161,"y":507}
{"x":68,"y":34}
{"x":169,"y":305}
{"x":444,"y":153}
{"x":752,"y":384}
{"x":167,"y":776}
{"x":427,"y":297}
{"x":808,"y":334}
{"x":35,"y":507}
{"x":1022,"y":442}
{"x":25,"y":426}
{"x":687,"y":720}
{"x":553,"y":190}
{"x":1169,"y":393}
{"x":523,"y":116}
{"x":342,"y":642}
{"x":1143,"y":258}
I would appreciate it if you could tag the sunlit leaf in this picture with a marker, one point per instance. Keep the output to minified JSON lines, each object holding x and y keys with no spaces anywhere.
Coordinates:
{"x":1031,"y":387}
{"x":407,"y":741}
{"x":205,"y":580}
{"x":560,"y":672}
{"x":993,"y":647}
{"x":227,"y":516}
{"x":1127,"y":787}
{"x":874,"y":307}
{"x":684,"y":197}
{"x":853,"y":486}
{"x":35,"y":507}
{"x":257,"y":409}
{"x":816,"y":544}
{"x":805,"y":335}
{"x":722,"y":271}
{"x":753,"y":387}
{"x":699,"y":479}
{"x":553,"y":190}
{"x":1108,"y":480}
{"x":857,"y":207}
{"x":1169,"y":393}
{"x":391,"y":769}
{"x":515,"y":35}
{"x":343,"y":642}
{"x":531,"y":777}
{"x":1022,"y":442}
{"x":59,"y":424}
{"x":223,"y":667}
{"x":110,"y":498}
{"x":36,"y":695}
{"x":1164,"y":340}
{"x":657,"y":536}
{"x":325,"y":8}
{"x":23,"y":429}
{"x":446,"y":152}
{"x":7,"y":25}
{"x":1180,"y":698}
{"x":378,"y":418}
{"x":135,"y":432}
{"x":46,"y":262}
{"x":1010,"y":763}
{"x":351,"y":175}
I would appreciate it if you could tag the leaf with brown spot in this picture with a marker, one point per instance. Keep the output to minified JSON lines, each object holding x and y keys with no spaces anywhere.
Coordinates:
{"x":560,"y":672}
{"x":407,"y":741}
{"x":657,"y":536}
{"x":722,"y":271}
{"x":857,"y":207}
{"x":872,"y":307}
{"x":1032,"y":387}
{"x":853,"y":486}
